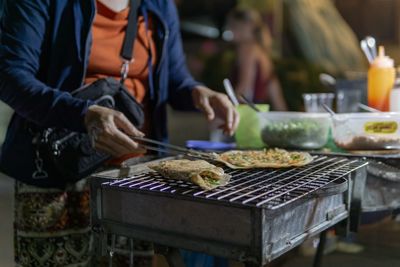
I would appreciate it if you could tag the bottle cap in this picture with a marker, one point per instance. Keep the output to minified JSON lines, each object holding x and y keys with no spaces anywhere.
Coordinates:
{"x":382,"y":61}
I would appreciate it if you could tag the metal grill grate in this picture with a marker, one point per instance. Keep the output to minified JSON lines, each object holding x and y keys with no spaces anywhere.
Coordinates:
{"x":267,"y":188}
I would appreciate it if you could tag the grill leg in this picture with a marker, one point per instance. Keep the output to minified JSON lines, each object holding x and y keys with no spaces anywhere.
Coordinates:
{"x":320,"y":250}
{"x":131,"y":256}
{"x":112,"y":250}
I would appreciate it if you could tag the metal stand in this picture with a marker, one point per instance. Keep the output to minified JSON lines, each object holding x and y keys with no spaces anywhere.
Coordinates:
{"x":357,"y":191}
{"x":320,"y":250}
{"x":131,"y":253}
{"x":112,"y":251}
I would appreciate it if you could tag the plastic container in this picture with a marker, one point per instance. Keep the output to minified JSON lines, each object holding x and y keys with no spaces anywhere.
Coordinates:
{"x":295,"y":130}
{"x":367,"y":131}
{"x":381,"y":77}
{"x":248,"y":132}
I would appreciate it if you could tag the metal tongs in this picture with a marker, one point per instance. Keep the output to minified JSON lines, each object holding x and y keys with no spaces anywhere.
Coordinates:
{"x":172,"y":149}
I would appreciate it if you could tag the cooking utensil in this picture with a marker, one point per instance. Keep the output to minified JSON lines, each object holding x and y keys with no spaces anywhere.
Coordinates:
{"x":329,"y":110}
{"x":171,"y":149}
{"x":250,"y":103}
{"x":367,"y":52}
{"x":367,"y":108}
{"x":371,"y":42}
{"x":230,"y":92}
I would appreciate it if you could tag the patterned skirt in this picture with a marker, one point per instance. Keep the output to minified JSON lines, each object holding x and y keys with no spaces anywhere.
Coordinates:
{"x":52,"y":228}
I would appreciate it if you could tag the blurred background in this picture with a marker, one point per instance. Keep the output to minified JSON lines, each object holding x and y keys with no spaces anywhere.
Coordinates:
{"x":309,"y":37}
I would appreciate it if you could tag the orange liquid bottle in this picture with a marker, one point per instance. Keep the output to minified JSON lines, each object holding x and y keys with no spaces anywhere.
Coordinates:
{"x":381,"y":77}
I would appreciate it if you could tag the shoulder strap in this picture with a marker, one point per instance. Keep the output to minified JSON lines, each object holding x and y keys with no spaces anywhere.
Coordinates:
{"x":129,"y":39}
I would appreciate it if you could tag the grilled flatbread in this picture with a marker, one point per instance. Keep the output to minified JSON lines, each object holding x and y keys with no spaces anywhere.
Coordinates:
{"x":199,"y":172}
{"x":272,"y":158}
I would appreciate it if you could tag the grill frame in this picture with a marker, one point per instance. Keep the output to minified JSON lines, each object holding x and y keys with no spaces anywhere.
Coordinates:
{"x":265,"y":239}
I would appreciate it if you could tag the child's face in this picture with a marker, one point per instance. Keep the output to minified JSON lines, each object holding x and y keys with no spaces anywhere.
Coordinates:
{"x":242,"y":31}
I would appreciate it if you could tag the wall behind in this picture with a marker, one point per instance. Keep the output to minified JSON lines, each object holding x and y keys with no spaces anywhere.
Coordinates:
{"x":378,"y":18}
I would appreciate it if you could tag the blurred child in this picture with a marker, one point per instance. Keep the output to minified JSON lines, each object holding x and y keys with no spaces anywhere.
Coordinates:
{"x":254,"y":74}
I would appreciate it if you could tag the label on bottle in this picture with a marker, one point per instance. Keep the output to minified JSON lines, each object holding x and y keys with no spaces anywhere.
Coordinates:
{"x":381,"y":127}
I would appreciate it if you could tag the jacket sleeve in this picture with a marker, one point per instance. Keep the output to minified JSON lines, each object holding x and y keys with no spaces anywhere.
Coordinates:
{"x":181,"y":82}
{"x":23,"y":29}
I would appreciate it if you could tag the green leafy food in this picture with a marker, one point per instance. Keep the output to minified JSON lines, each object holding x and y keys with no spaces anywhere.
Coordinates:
{"x":212,"y":181}
{"x":303,"y":134}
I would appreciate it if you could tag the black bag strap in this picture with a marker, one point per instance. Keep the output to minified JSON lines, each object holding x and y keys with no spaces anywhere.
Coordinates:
{"x":129,"y":39}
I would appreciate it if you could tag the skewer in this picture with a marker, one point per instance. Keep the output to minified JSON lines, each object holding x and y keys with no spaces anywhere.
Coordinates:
{"x":230,"y":92}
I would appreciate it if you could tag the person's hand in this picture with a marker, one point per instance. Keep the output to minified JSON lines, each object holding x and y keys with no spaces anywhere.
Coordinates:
{"x":215,"y":104}
{"x":109,"y":130}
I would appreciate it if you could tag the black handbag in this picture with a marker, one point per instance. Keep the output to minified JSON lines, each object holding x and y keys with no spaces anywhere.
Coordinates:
{"x":70,"y":155}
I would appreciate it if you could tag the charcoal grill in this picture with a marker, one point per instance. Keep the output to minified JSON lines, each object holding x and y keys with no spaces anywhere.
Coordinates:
{"x":257,"y":217}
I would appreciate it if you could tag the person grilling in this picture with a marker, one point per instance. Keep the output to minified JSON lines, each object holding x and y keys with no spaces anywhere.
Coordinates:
{"x":48,"y":51}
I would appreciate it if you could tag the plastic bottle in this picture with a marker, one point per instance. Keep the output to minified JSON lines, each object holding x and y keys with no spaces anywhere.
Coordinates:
{"x":395,"y":97}
{"x":381,"y":77}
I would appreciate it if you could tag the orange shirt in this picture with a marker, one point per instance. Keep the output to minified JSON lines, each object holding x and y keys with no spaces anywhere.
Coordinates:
{"x":108,"y":32}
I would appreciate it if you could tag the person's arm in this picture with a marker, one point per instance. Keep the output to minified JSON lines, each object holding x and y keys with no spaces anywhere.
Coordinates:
{"x":181,"y":82}
{"x":23,"y":31}
{"x":22,"y":35}
{"x":184,"y":92}
{"x":275,"y":94}
{"x":246,"y":74}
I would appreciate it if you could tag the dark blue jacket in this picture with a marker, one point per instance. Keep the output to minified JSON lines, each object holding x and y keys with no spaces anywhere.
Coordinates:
{"x":44,"y":52}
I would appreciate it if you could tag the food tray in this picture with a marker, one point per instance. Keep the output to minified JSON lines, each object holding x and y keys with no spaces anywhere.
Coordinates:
{"x":367,"y":131}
